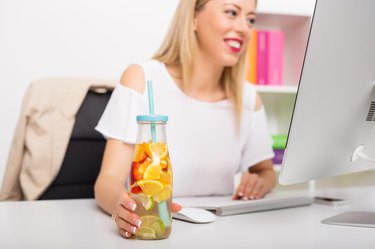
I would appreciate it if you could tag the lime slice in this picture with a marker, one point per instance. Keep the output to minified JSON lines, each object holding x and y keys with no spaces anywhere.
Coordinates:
{"x":146,"y":232}
{"x":147,"y":220}
{"x":147,"y":202}
{"x":158,"y":227}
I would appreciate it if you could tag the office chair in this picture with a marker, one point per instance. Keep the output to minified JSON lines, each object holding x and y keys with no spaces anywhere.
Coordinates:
{"x":83,"y":157}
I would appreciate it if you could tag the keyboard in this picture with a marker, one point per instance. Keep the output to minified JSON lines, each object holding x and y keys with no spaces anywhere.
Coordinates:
{"x":224,"y":205}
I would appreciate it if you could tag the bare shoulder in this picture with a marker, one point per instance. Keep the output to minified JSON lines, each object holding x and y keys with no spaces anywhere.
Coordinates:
{"x":133,"y":77}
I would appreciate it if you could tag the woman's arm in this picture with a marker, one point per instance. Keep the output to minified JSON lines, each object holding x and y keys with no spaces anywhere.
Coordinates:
{"x":260,"y":178}
{"x":110,"y":191}
{"x":257,"y":182}
{"x":113,"y":174}
{"x":117,"y":158}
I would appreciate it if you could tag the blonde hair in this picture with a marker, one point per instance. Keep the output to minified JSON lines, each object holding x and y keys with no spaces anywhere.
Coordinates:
{"x":180,"y":45}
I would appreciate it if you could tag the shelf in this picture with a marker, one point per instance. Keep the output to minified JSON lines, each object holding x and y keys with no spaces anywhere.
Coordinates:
{"x":279,"y":21}
{"x":277,"y":89}
{"x":290,"y":7}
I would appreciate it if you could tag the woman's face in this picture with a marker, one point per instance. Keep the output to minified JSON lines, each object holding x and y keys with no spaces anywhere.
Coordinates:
{"x":223,"y":29}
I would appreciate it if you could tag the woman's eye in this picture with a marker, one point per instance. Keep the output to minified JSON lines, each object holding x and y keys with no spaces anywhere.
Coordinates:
{"x":231,"y":12}
{"x":251,"y":21}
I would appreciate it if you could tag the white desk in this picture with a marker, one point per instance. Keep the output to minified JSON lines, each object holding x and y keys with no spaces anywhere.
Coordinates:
{"x":81,"y":224}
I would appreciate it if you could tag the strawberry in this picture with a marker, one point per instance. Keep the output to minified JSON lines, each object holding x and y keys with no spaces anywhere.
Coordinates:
{"x":143,"y":158}
{"x":136,"y":190}
{"x":135,"y":175}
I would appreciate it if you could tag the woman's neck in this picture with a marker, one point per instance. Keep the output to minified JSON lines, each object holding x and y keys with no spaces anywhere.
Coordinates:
{"x":204,"y":82}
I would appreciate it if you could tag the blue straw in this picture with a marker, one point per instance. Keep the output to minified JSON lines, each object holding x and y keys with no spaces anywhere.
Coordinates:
{"x":163,"y":210}
{"x":151,"y":108}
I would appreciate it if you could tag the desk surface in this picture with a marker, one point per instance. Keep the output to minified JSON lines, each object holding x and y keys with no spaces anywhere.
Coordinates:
{"x":81,"y":224}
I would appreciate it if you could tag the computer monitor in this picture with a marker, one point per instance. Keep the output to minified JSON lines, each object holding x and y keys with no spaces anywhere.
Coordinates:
{"x":332,"y":131}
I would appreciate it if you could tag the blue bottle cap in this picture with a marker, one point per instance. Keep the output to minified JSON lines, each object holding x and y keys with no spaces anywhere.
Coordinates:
{"x":152,"y":118}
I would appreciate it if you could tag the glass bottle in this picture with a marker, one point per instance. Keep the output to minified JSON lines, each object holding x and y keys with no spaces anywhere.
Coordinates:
{"x":150,"y":180}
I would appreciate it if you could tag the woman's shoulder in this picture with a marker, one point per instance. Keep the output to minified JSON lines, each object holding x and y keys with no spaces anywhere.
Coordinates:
{"x":134,"y":76}
{"x":249,"y":94}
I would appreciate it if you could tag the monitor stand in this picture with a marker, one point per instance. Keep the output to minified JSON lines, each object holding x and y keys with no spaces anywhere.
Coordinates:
{"x":354,"y":218}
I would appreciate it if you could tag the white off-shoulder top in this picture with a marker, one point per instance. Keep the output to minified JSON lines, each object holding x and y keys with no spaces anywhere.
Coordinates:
{"x":206,"y":146}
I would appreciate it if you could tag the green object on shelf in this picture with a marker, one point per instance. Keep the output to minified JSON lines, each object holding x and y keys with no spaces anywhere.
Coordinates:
{"x":279,"y":141}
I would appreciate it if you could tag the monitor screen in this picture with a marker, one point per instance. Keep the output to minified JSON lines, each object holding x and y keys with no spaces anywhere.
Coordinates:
{"x":334,"y":112}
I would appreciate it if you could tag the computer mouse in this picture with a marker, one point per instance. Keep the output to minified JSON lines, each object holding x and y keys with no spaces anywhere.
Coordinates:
{"x":194,"y":215}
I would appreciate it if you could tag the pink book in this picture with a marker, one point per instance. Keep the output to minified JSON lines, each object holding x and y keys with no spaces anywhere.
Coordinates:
{"x":275,"y":57}
{"x":262,"y":57}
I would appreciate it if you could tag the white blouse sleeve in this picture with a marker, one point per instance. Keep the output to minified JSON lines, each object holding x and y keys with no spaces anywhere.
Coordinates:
{"x":118,"y":120}
{"x":258,"y":144}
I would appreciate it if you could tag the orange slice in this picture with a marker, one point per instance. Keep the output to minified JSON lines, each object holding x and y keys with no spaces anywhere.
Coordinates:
{"x":163,"y":164}
{"x":150,"y":187}
{"x":139,"y":152}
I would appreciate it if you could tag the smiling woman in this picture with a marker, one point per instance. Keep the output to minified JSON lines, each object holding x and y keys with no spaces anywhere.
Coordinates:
{"x":217,"y":125}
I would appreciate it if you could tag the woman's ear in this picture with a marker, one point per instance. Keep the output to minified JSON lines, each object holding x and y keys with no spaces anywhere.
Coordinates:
{"x":195,"y":23}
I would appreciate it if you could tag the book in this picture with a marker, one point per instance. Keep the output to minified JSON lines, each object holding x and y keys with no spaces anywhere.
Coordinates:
{"x":262,"y":57}
{"x":251,"y":75}
{"x":275,"y":57}
{"x":279,"y":144}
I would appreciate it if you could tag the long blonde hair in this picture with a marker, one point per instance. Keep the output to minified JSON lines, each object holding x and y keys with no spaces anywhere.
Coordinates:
{"x":180,"y":46}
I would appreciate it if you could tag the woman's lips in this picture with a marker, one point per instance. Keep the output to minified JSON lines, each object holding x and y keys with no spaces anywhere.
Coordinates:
{"x":234,"y":44}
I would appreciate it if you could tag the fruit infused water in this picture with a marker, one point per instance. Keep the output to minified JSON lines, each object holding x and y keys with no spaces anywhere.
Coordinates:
{"x":150,"y":182}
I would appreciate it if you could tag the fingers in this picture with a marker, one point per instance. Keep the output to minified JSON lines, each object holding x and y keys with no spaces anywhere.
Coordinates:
{"x":251,"y":187}
{"x":175,"y":207}
{"x":126,"y":220}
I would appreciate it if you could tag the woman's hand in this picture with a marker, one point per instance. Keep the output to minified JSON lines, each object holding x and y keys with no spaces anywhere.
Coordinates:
{"x":126,"y":220}
{"x":251,"y":187}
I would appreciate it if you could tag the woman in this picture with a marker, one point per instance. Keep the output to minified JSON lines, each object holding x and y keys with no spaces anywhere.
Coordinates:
{"x":217,"y":122}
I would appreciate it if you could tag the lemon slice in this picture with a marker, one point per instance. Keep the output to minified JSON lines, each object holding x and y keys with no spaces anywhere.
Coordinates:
{"x":164,"y":195}
{"x":144,"y":165}
{"x":156,"y":151}
{"x":146,"y":232}
{"x":162,"y":149}
{"x":150,"y":187}
{"x":152,"y":172}
{"x":166,"y":177}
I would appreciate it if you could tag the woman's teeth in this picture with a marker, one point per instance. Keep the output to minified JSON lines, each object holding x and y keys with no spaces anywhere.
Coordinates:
{"x":234,"y":44}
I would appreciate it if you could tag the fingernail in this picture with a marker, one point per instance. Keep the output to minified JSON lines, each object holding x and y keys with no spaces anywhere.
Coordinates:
{"x":251,"y":197}
{"x":240,"y":194}
{"x":132,"y":206}
{"x":137,"y":222}
{"x":127,"y":234}
{"x":244,"y":198}
{"x":134,"y":229}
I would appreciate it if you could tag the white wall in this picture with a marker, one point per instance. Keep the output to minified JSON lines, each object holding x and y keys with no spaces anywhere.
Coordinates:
{"x":93,"y":38}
